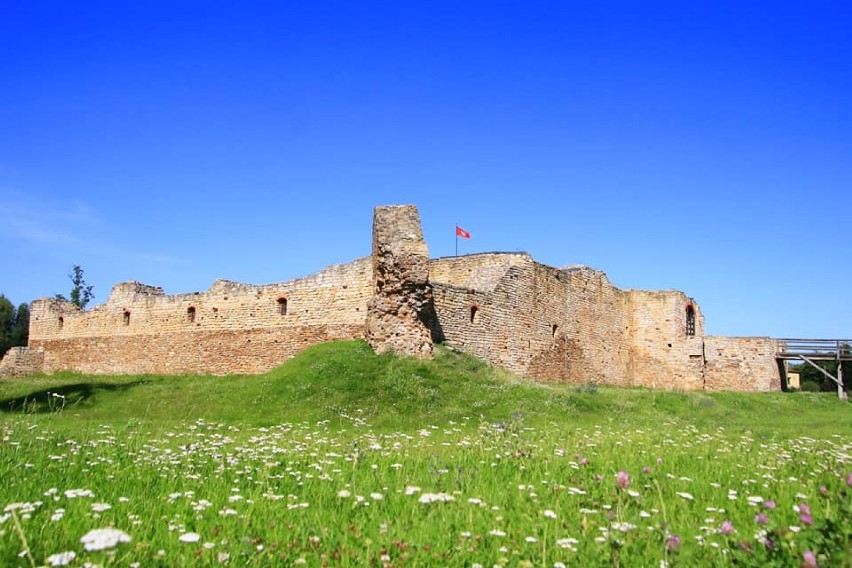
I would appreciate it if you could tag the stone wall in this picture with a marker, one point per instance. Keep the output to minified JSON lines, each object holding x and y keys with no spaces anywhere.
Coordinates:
{"x":21,"y":362}
{"x":572,"y":325}
{"x":665,"y":355}
{"x":597,"y":328}
{"x":505,"y":320}
{"x":232,"y":328}
{"x":481,"y":271}
{"x":540,"y":322}
{"x":741,"y":364}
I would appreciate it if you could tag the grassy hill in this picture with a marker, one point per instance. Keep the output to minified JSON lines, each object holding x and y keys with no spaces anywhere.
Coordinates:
{"x":345,"y":382}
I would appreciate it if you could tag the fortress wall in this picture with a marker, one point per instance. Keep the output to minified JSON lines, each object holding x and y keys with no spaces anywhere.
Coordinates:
{"x":664,"y":356}
{"x":544,"y":334}
{"x":232,"y":328}
{"x":596,"y":328}
{"x":566,"y":325}
{"x":509,"y":322}
{"x":741,"y":364}
{"x":540,"y":322}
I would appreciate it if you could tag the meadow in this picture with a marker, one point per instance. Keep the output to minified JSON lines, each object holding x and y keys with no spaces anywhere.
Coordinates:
{"x":342,"y":458}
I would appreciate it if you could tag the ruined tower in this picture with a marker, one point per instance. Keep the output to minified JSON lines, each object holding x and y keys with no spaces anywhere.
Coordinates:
{"x":399,"y":312}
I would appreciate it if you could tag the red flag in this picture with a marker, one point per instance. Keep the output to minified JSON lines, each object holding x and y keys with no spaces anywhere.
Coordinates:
{"x":462,"y":233}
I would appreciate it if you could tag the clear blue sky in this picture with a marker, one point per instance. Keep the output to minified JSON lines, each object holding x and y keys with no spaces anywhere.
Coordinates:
{"x":701,"y":146}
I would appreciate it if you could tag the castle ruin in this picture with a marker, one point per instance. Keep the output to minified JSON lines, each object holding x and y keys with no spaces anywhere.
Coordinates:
{"x":544,"y":323}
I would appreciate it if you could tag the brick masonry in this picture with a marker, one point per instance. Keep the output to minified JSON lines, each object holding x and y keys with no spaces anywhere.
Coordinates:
{"x":547,"y":324}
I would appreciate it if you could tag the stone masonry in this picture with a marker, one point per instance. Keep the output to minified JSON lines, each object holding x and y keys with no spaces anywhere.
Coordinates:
{"x":401,"y":308}
{"x":547,"y":324}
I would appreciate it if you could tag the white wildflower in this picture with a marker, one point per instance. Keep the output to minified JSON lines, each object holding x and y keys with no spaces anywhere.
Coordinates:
{"x":436,"y":498}
{"x":61,"y":558}
{"x":101,"y":539}
{"x":189,"y":537}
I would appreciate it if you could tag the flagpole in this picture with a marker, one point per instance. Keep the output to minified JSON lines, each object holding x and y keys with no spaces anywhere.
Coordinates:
{"x":457,"y":239}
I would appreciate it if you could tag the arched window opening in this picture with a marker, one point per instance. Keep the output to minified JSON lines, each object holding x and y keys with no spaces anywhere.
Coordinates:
{"x":190,"y":314}
{"x":474,"y":314}
{"x":553,"y":330}
{"x":690,"y":320}
{"x":282,"y":306}
{"x":61,"y":322}
{"x":126,"y":317}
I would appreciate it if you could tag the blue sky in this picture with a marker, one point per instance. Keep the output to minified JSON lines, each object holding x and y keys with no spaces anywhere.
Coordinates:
{"x":701,"y":146}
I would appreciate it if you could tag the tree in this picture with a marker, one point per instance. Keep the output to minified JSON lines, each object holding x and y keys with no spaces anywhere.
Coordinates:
{"x":81,"y":293}
{"x":808,"y":375}
{"x":7,"y":320}
{"x":14,"y":325}
{"x":21,"y":328}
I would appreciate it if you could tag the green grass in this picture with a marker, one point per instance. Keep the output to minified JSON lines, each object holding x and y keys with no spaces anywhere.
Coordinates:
{"x":312,"y":463}
{"x":346,"y":378}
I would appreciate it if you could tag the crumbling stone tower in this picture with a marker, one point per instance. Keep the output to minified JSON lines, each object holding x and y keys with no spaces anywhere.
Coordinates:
{"x":399,"y":313}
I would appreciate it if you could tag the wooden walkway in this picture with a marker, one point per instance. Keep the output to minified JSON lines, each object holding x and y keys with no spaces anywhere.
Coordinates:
{"x":810,"y":350}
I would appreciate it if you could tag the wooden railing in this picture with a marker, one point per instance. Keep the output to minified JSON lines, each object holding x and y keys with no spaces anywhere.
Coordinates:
{"x":823,"y":349}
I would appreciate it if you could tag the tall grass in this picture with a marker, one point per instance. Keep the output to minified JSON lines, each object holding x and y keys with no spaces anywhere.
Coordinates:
{"x":344,"y":458}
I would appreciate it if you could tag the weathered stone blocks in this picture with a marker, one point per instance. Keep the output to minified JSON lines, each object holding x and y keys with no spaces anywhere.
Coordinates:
{"x":399,"y":313}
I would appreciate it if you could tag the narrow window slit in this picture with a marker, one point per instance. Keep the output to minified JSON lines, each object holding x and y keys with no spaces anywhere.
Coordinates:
{"x":690,"y":320}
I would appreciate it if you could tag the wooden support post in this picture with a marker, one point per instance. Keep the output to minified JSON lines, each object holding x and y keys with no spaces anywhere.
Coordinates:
{"x":841,"y":392}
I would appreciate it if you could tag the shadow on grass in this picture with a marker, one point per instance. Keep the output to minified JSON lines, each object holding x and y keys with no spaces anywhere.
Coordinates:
{"x":60,"y":397}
